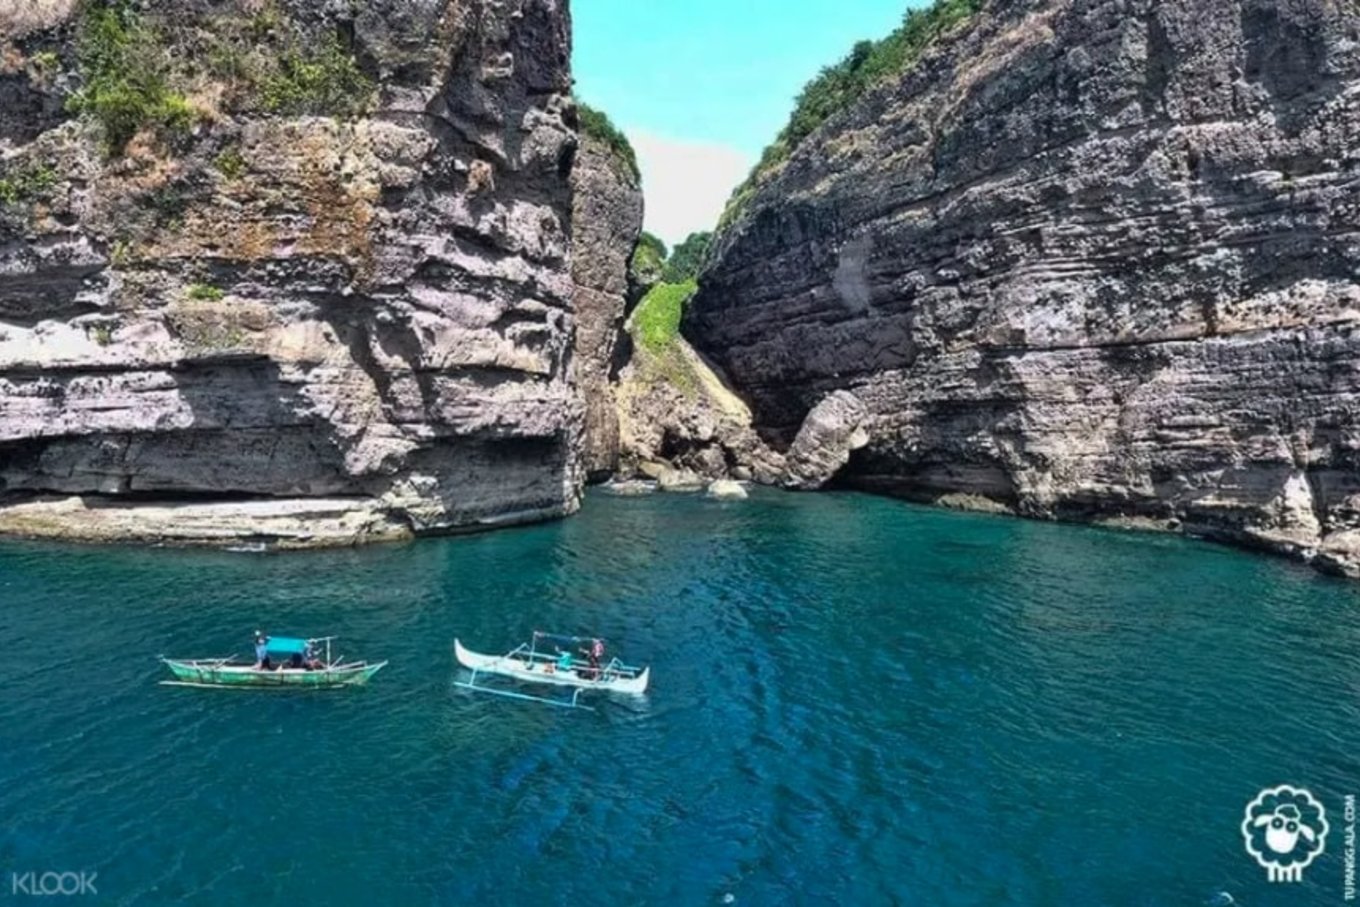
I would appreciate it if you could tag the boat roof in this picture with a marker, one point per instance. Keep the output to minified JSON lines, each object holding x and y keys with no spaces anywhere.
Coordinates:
{"x":287,"y":645}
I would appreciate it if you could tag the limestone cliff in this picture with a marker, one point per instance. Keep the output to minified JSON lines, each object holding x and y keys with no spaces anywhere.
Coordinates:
{"x":1093,"y":259}
{"x":607,"y":220}
{"x":290,"y":271}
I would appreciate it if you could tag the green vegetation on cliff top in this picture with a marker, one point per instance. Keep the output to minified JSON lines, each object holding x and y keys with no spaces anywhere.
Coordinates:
{"x":134,"y":69}
{"x":837,"y":87}
{"x":597,"y":125}
{"x":266,"y":62}
{"x":125,"y":76}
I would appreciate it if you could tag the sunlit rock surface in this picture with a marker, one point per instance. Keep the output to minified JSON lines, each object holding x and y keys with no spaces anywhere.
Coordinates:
{"x":1093,"y":259}
{"x":606,"y":224}
{"x":282,"y":308}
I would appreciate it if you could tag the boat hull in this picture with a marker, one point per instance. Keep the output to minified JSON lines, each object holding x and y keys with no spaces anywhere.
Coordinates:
{"x":520,"y":668}
{"x":225,"y":674}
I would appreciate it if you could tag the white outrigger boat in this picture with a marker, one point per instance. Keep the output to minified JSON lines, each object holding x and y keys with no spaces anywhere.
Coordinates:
{"x":526,"y":663}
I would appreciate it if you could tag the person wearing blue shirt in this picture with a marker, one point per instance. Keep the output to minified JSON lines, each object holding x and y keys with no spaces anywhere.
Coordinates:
{"x":262,"y":652}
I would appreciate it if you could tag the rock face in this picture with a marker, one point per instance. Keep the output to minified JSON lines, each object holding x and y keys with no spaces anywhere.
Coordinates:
{"x":674,"y":409}
{"x":830,"y":433}
{"x":645,"y":270}
{"x":1092,"y":259}
{"x":278,"y":305}
{"x":607,"y":220}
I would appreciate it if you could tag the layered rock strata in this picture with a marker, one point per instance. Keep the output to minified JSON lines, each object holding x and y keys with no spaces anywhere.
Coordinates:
{"x":344,"y":275}
{"x":1093,"y":259}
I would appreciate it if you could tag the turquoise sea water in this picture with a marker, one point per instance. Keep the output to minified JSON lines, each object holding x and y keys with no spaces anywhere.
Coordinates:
{"x":855,"y":702}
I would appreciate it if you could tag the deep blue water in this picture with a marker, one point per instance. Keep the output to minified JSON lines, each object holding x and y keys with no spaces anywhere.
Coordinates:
{"x":855,"y":701}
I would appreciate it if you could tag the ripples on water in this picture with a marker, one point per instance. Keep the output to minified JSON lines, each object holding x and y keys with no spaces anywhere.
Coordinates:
{"x":855,"y":702}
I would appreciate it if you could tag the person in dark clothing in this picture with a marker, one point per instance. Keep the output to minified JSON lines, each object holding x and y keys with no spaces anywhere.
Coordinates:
{"x":594,"y":654}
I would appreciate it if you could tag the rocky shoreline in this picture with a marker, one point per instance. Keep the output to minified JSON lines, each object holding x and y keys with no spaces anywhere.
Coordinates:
{"x":294,"y":524}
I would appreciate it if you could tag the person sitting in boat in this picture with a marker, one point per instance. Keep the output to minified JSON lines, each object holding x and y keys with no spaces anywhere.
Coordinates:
{"x":564,"y":661}
{"x":310,"y":660}
{"x":593,"y":654}
{"x":262,"y":652}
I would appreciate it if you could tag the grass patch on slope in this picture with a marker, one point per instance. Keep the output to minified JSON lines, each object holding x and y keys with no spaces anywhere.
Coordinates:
{"x":204,"y":292}
{"x":323,"y":79}
{"x":655,"y":327}
{"x":657,"y":319}
{"x":124,"y":67}
{"x":25,"y":184}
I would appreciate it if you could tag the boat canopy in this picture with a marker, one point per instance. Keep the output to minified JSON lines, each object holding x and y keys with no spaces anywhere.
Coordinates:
{"x":287,"y":645}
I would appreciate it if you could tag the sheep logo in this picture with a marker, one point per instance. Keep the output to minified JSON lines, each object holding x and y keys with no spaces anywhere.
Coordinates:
{"x":1286,"y":830}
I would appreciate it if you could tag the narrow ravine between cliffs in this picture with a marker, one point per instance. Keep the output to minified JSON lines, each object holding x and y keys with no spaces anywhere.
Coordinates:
{"x":1066,"y":259}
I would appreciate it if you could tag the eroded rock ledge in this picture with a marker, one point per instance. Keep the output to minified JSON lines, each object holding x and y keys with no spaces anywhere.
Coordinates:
{"x":1089,"y":259}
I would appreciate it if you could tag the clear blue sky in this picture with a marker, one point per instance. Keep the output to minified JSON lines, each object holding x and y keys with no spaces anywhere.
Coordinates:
{"x":702,"y":86}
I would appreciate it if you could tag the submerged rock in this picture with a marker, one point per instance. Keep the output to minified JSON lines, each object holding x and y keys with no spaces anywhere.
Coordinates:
{"x":679,"y":480}
{"x":1084,"y":259}
{"x":629,"y":488}
{"x":726,"y":489}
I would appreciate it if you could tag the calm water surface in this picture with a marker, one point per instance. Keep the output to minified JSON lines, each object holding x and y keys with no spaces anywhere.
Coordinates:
{"x":855,"y":702}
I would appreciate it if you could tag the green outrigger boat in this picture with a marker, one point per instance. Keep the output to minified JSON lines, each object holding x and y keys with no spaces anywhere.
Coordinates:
{"x":299,"y":665}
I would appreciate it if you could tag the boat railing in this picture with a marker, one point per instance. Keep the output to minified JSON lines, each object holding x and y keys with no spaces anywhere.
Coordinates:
{"x":613,"y":666}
